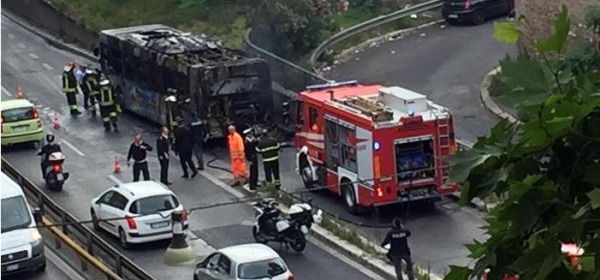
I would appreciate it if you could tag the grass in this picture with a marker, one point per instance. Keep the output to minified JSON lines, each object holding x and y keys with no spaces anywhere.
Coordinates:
{"x":225,"y":20}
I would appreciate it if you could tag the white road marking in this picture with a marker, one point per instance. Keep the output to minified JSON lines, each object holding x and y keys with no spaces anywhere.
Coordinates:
{"x":47,"y":66}
{"x":21,"y":45}
{"x":64,"y":267}
{"x":11,"y":36}
{"x":77,"y":151}
{"x":115,"y":179}
{"x":5,"y":91}
{"x":220,"y":183}
{"x":56,"y":88}
{"x":34,"y":56}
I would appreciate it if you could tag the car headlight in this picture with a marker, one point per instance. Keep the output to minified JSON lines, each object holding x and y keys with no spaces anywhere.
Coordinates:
{"x":35,"y":238}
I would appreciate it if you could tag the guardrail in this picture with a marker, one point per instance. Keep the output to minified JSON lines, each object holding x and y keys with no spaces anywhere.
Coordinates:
{"x":372,"y":23}
{"x":113,"y":264}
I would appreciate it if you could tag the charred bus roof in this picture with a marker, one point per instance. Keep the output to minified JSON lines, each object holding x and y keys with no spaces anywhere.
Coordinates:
{"x":193,"y":50}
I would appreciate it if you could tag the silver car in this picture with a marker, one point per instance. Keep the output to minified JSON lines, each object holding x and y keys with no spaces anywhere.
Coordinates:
{"x":243,"y":262}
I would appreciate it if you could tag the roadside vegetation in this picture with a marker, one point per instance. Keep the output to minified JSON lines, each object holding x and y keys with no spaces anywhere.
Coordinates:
{"x":546,"y":164}
{"x":288,"y":28}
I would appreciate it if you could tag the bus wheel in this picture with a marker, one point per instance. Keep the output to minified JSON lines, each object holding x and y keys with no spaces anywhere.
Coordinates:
{"x":349,"y":197}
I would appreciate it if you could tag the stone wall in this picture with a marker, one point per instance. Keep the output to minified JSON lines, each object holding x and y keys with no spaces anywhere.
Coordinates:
{"x":42,"y":14}
{"x":541,"y":13}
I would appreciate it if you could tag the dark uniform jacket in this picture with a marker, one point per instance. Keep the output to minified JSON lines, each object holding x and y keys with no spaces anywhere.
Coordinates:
{"x":197,"y":129}
{"x":268,"y":148}
{"x":250,"y":149}
{"x":49,"y":149}
{"x":162,"y":147}
{"x":398,"y":240}
{"x":184,"y":140}
{"x":137,"y":153}
{"x":69,"y":82}
{"x":91,"y":84}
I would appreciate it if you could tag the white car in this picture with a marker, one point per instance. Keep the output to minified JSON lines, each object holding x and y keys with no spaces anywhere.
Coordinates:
{"x":248,"y":261}
{"x":136,"y":212}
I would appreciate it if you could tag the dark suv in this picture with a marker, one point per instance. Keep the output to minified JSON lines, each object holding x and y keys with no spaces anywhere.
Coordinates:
{"x":475,"y":11}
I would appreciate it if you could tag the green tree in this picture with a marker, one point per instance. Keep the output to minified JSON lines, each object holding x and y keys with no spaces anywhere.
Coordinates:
{"x":547,"y":166}
{"x":293,"y":28}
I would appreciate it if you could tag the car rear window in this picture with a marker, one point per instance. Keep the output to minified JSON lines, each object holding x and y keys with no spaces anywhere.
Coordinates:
{"x":154,"y":204}
{"x":17,"y":115}
{"x":261,"y":269}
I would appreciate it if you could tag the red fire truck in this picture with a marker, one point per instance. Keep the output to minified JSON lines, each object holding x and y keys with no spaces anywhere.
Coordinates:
{"x":373,"y":145}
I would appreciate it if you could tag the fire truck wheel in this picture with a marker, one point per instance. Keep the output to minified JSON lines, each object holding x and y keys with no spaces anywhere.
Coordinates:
{"x":349,"y":197}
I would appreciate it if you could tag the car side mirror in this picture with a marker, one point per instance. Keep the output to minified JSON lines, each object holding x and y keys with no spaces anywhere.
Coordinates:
{"x":37,"y":215}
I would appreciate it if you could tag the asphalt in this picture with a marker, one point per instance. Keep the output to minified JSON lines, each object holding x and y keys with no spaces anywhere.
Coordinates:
{"x":445,"y":63}
{"x":29,"y":62}
{"x":52,"y":272}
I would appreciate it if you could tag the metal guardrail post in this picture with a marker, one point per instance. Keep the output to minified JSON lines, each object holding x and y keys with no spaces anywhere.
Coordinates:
{"x":369,"y":24}
{"x":63,"y":221}
{"x":118,"y":266}
{"x":89,"y":243}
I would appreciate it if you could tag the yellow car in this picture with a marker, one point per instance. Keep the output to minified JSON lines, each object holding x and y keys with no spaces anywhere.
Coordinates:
{"x":20,"y":122}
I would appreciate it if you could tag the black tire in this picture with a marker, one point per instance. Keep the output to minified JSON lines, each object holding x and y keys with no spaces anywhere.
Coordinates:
{"x":478,"y":17}
{"x":58,"y":187}
{"x":123,"y":240}
{"x":42,"y":267}
{"x":95,"y":224}
{"x":300,"y":243}
{"x":257,"y":237}
{"x":349,"y":198}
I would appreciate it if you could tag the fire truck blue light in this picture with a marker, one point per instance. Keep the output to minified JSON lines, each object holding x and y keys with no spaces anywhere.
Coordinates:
{"x":376,"y":146}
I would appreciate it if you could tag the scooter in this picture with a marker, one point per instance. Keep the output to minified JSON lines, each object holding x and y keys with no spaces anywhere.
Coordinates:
{"x":270,"y":226}
{"x":54,"y":175}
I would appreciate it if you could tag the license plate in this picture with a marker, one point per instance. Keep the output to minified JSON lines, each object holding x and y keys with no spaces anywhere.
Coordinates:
{"x":20,"y":128}
{"x":60,"y":177}
{"x":12,"y":267}
{"x":304,"y":229}
{"x":160,"y":225}
{"x":452,"y":16}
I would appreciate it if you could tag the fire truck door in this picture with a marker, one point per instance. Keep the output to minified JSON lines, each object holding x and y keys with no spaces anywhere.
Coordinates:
{"x":295,"y":114}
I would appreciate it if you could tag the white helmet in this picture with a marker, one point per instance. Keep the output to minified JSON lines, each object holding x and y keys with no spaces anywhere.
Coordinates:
{"x":104,"y":82}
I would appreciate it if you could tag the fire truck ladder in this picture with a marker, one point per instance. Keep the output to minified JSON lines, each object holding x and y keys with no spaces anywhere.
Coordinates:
{"x":443,"y":132}
{"x":375,"y":110}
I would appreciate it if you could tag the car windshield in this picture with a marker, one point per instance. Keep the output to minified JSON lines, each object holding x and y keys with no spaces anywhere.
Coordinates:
{"x":18,"y":114}
{"x":261,"y":269}
{"x":154,"y":204}
{"x":15,"y":214}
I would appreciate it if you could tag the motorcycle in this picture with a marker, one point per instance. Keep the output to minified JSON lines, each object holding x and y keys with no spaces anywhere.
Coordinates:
{"x":270,"y":226}
{"x":54,"y":175}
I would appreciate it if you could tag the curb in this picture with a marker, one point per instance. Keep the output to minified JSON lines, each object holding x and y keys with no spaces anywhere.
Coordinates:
{"x":369,"y":43}
{"x":51,"y":39}
{"x":487,"y":100}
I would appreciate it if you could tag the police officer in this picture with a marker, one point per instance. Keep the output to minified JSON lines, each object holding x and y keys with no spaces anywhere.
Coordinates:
{"x":397,"y":239}
{"x":107,"y":105}
{"x":69,"y":83}
{"x":250,"y":152}
{"x":162,"y":148}
{"x":184,"y":147}
{"x":268,"y":148}
{"x":197,"y":128}
{"x":90,"y":88}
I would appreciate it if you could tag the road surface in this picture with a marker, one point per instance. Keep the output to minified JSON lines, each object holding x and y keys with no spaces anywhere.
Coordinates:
{"x":29,"y":62}
{"x":447,"y":64}
{"x":56,"y":268}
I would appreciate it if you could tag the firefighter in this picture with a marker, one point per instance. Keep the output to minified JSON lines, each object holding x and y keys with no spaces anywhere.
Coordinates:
{"x":250,"y":151}
{"x":397,"y":240}
{"x":236,"y":153}
{"x":268,"y":148}
{"x":69,"y":82}
{"x":107,"y":105}
{"x":90,"y":87}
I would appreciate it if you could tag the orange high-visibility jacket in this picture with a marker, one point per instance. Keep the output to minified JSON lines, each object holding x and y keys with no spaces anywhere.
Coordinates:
{"x":236,"y":153}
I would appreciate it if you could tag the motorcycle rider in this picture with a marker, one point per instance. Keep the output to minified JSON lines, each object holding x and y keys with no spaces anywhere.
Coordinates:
{"x":47,"y":150}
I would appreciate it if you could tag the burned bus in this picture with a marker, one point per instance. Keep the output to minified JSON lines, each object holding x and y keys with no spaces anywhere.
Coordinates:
{"x":166,"y":75}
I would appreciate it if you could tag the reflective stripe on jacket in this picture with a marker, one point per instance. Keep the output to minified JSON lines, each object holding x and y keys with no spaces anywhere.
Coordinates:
{"x":236,"y":145}
{"x":69,"y":82}
{"x":268,"y":148}
{"x":91,"y":83}
{"x":106,"y":96}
